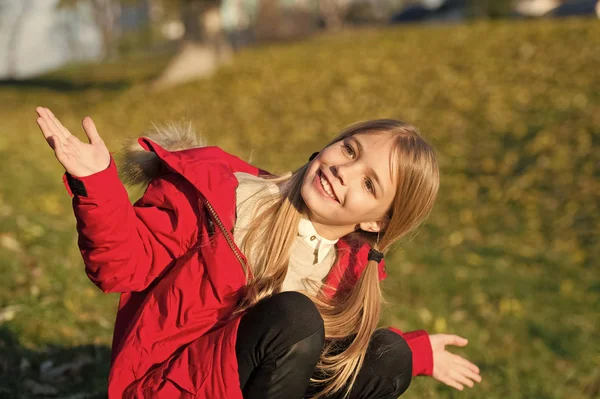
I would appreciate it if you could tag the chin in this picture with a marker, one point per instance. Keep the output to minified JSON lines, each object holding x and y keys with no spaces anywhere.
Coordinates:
{"x":316,"y":208}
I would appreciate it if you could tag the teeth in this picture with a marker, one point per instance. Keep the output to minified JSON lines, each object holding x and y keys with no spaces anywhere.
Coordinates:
{"x":326,"y":187}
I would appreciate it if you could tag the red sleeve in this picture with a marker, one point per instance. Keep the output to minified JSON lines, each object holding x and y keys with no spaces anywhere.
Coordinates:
{"x":125,"y":247}
{"x":419,"y":344}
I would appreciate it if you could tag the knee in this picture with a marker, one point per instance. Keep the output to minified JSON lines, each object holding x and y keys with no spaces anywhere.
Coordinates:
{"x":295,"y":311}
{"x":292,"y":315}
{"x":393,"y":358}
{"x":283,"y":332}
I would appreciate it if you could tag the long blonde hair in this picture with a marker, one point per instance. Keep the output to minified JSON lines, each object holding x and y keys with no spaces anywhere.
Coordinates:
{"x":354,"y":313}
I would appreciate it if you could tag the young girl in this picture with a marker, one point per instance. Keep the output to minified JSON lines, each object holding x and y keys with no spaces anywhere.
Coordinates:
{"x":236,"y":284}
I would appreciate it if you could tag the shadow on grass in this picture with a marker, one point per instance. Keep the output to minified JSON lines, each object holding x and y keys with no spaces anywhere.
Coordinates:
{"x":62,"y":85}
{"x":57,"y":371}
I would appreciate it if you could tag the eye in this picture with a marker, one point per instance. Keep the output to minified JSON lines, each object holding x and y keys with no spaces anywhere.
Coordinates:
{"x":370,"y":186}
{"x":349,"y":150}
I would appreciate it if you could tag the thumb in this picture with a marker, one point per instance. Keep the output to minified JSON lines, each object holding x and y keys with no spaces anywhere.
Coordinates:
{"x":90,"y":130}
{"x":455,"y":340}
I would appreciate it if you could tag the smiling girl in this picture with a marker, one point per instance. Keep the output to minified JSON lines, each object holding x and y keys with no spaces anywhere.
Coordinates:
{"x":236,"y":283}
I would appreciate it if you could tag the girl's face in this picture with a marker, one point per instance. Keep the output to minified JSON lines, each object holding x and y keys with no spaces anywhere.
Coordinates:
{"x":349,"y":185}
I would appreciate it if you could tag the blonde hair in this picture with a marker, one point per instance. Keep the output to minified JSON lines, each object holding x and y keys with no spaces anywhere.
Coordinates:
{"x":357,"y":311}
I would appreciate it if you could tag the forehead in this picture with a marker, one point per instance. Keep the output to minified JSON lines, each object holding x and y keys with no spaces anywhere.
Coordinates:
{"x":379,"y":151}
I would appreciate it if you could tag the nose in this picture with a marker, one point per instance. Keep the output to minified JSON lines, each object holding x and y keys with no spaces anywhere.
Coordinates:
{"x":343,"y":172}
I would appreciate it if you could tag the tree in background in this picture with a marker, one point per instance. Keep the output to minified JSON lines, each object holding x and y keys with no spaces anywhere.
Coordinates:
{"x":334,"y":12}
{"x":13,"y":37}
{"x":491,"y":8}
{"x":106,"y":16}
{"x":203,"y":46}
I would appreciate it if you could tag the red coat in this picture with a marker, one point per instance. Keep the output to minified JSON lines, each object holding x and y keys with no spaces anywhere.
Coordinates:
{"x":172,"y":258}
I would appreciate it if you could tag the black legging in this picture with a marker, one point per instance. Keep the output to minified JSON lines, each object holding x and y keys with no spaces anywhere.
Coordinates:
{"x":279,"y":343}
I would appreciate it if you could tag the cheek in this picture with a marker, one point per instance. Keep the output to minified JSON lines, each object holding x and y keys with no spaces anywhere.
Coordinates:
{"x":365,"y":206}
{"x":360,"y":202}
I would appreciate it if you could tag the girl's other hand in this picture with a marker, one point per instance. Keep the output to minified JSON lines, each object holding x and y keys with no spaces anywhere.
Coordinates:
{"x":451,"y":369}
{"x":78,"y":158}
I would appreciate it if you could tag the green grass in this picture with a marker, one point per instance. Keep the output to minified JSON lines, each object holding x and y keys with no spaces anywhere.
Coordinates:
{"x":508,"y":258}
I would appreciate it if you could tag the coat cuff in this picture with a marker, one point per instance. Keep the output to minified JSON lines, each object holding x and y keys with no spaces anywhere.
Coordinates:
{"x":103,"y":184}
{"x":420,"y":345}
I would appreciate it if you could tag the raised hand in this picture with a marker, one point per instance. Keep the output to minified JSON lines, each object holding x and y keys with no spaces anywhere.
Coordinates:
{"x":451,"y":369}
{"x":78,"y":158}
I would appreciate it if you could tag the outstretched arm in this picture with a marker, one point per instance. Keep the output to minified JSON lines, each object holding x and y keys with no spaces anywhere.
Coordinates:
{"x":430,"y":358}
{"x":124,"y":247}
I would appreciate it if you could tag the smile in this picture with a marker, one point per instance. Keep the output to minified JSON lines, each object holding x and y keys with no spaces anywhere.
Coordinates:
{"x":326,"y":188}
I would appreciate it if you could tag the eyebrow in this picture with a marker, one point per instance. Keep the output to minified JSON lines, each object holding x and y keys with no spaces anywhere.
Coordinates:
{"x":371,"y":170}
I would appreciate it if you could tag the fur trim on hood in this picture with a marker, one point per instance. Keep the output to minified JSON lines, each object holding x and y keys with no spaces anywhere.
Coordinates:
{"x":141,"y":166}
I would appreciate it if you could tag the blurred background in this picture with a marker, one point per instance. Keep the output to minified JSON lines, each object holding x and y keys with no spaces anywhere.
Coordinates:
{"x":507,"y":91}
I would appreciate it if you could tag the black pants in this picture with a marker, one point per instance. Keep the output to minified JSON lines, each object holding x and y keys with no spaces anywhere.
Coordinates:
{"x":279,"y":343}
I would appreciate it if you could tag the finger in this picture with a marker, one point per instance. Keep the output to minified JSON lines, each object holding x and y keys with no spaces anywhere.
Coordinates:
{"x":44,"y":128}
{"x":59,"y":125}
{"x":452,"y":383}
{"x":455,"y":340}
{"x":90,"y":130}
{"x":41,"y":111}
{"x":48,"y":127}
{"x":49,"y":123}
{"x":465,"y":363}
{"x":59,"y":149}
{"x":468,"y":373}
{"x":52,"y":139}
{"x":461,"y":379}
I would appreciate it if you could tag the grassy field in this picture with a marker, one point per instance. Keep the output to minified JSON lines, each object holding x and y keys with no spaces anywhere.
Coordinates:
{"x":509,"y":257}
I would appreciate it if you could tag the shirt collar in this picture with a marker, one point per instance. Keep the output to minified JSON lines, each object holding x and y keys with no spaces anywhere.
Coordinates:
{"x":319,"y":244}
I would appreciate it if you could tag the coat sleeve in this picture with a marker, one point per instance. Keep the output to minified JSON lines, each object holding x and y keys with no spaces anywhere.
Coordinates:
{"x":419,"y":344}
{"x":124,"y":246}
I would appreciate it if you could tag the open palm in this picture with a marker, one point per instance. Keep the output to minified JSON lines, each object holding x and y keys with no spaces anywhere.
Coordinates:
{"x":78,"y":158}
{"x":453,"y":370}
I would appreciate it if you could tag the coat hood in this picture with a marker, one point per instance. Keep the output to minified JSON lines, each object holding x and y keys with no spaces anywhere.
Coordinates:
{"x":140,"y":166}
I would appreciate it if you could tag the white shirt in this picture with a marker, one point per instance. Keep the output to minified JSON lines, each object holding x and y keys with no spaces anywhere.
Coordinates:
{"x":311,"y":255}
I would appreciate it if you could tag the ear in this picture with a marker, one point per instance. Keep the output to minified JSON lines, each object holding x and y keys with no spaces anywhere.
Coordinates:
{"x":371,"y":227}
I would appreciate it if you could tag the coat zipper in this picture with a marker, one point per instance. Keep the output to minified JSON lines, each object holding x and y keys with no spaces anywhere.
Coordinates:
{"x":227,"y":236}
